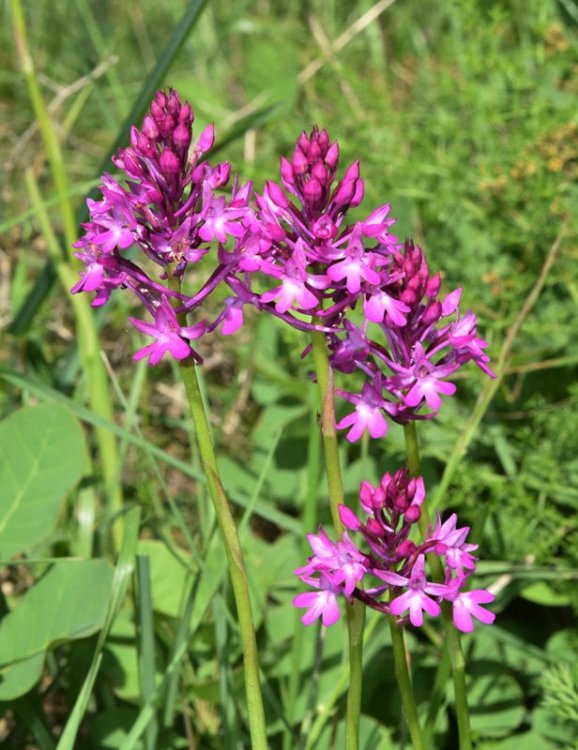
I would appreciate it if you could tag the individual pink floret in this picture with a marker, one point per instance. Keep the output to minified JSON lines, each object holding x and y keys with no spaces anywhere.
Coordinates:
{"x":416,"y":598}
{"x":168,"y":334}
{"x":321,"y":603}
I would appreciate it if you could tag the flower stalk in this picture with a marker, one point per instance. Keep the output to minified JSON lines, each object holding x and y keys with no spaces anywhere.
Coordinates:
{"x":403,"y":679}
{"x":234,"y":554}
{"x":355,"y":611}
{"x":226,"y":522}
{"x":452,"y":639}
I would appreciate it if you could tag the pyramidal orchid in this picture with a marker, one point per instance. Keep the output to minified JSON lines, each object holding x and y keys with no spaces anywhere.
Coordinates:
{"x":151,"y":228}
{"x":387,"y":571}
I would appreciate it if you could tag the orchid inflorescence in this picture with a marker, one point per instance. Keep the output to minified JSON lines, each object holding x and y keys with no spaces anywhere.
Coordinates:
{"x":293,"y":240}
{"x":393,"y":563}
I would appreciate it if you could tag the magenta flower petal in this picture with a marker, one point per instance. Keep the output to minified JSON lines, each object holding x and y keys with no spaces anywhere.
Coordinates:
{"x":466,"y":606}
{"x":322,"y":603}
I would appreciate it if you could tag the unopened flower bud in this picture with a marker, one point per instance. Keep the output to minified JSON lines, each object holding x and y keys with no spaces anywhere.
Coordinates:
{"x":433,"y":286}
{"x":149,"y":128}
{"x":366,"y":493}
{"x":314,"y":152}
{"x":287,"y":172}
{"x":313,"y":191}
{"x":401,"y":503}
{"x":320,"y":173}
{"x":182,"y":136}
{"x":413,"y":514}
{"x":358,"y":193}
{"x":378,"y":499}
{"x":406,"y":548}
{"x":169,"y":163}
{"x":352,"y":172}
{"x":432,"y":313}
{"x":174,"y":103}
{"x":332,"y":155}
{"x":277,"y":195}
{"x":186,"y":115}
{"x":408,"y":267}
{"x":300,"y":163}
{"x":344,"y":193}
{"x":206,"y":139}
{"x":323,"y":140}
{"x":167,"y":126}
{"x":348,"y":518}
{"x":408,"y":297}
{"x":144,"y":145}
{"x":386,"y":480}
{"x":303,"y":142}
{"x":200,"y":172}
{"x":373,"y":527}
{"x":414,"y":284}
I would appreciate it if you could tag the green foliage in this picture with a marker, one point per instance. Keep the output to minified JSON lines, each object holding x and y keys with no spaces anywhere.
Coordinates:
{"x":68,"y":602}
{"x":464,"y":118}
{"x":42,"y":457}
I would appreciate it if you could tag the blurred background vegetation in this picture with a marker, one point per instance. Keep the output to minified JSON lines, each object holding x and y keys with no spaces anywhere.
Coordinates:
{"x":464,"y":117}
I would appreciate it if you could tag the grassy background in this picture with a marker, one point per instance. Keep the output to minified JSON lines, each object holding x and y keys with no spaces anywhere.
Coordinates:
{"x":463,"y":115}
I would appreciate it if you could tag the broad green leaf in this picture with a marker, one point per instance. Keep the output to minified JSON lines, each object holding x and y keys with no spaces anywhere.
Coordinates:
{"x":68,"y":602}
{"x":42,"y":457}
{"x":39,"y":390}
{"x":17,"y":679}
{"x":496,"y":704}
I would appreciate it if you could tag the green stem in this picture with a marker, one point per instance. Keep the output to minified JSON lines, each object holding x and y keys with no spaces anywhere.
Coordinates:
{"x":356,"y":611}
{"x":324,"y":375}
{"x":234,"y":553}
{"x":404,"y":684}
{"x":226,"y":522}
{"x":452,"y":639}
{"x":355,"y":630}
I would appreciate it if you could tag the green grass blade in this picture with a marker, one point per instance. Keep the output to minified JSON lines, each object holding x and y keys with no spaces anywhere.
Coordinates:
{"x":122,"y":575}
{"x":146,"y":642}
{"x":228,"y":717}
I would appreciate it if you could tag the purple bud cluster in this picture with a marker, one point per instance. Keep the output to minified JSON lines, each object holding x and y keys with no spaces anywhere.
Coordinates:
{"x":170,"y":208}
{"x":392,"y":567}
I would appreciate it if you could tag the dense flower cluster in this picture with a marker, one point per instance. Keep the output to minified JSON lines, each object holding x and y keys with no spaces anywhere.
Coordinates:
{"x":169,"y":208}
{"x":290,"y":251}
{"x":326,"y":268}
{"x":294,"y":240}
{"x":393,"y":566}
{"x":426,"y":341}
